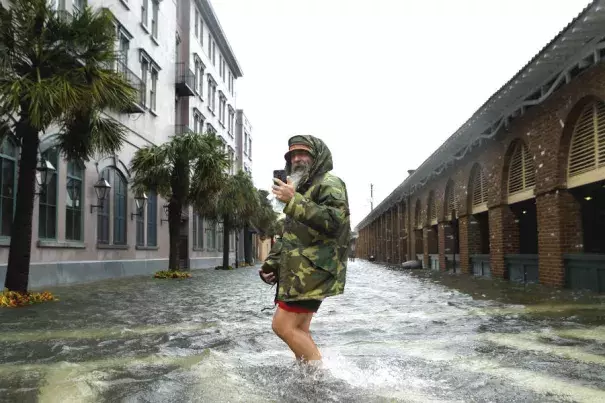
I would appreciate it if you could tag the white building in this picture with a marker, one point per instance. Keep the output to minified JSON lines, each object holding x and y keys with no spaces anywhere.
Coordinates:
{"x":176,"y":53}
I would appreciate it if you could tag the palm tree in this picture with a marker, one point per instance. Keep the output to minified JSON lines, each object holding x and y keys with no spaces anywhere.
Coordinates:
{"x":55,"y":72}
{"x":235,"y":206}
{"x":189,"y":167}
{"x":265,"y":219}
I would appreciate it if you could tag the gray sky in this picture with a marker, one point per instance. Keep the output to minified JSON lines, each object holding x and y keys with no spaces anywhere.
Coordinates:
{"x":383,"y":83}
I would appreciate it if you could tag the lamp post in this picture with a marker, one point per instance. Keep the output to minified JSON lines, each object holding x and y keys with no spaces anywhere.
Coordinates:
{"x":102,"y":188}
{"x":74,"y":191}
{"x":140,"y":200}
{"x":44,"y":174}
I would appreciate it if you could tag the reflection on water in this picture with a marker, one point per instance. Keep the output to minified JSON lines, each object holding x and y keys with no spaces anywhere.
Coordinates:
{"x":393,"y":336}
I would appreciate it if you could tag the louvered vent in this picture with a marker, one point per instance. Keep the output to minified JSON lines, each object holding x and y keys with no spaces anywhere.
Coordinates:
{"x":432,"y":207}
{"x":521,"y":173}
{"x":479,"y":187}
{"x":451,"y":199}
{"x":587,"y":151}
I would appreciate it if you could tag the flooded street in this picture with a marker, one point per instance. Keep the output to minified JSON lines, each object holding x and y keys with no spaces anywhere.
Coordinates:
{"x":393,"y":336}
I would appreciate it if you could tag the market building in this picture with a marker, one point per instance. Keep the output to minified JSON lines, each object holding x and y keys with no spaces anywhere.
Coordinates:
{"x":517,"y":192}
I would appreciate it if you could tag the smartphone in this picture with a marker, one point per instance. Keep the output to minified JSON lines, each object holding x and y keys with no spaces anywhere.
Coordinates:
{"x":281,"y":175}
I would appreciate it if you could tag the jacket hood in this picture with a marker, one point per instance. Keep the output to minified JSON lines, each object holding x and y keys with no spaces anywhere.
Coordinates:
{"x":322,"y":157}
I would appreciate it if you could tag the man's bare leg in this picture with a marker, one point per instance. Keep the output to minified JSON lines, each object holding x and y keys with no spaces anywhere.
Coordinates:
{"x":293,"y":328}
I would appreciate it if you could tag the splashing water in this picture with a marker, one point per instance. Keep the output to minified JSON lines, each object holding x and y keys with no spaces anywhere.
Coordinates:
{"x":393,"y":336}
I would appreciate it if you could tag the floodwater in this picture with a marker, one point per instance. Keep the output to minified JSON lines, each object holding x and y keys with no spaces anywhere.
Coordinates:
{"x":394,"y":336}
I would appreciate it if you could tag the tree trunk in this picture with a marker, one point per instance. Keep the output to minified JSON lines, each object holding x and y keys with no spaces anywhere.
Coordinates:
{"x":225,"y":242}
{"x":236,"y":249}
{"x":247,"y":245}
{"x":17,"y":271}
{"x":174,"y":231}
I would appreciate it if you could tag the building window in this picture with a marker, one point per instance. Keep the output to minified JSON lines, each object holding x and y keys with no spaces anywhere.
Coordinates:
{"x":209,"y":46}
{"x":231,"y":120}
{"x":198,"y":121}
{"x":197,"y":23}
{"x":231,"y":154}
{"x":201,"y":89}
{"x":155,"y":8}
{"x":197,"y":75}
{"x":152,"y":219}
{"x":120,"y":191}
{"x":140,"y":225}
{"x":144,"y":71}
{"x":119,"y":213}
{"x":211,"y":129}
{"x":250,"y":148}
{"x":78,"y":6}
{"x":8,"y":158}
{"x":148,"y":64}
{"x":153,"y":90}
{"x":221,"y":108}
{"x":245,"y":143}
{"x":73,"y":201}
{"x":198,"y":232}
{"x":210,"y":230}
{"x":219,"y":238}
{"x":144,"y":12}
{"x":47,"y":215}
{"x":211,"y":94}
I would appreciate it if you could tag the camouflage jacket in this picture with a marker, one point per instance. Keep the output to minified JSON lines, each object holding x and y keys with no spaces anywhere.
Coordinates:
{"x":310,"y":259}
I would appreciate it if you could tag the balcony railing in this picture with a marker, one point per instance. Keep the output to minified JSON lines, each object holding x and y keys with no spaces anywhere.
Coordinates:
{"x":184,"y":80}
{"x":141,"y":89}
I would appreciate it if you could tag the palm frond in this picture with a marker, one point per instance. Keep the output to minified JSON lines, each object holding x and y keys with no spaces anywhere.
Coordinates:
{"x":87,"y":133}
{"x":151,"y":170}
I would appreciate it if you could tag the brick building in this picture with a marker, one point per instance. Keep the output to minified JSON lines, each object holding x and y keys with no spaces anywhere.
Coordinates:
{"x":518,"y":192}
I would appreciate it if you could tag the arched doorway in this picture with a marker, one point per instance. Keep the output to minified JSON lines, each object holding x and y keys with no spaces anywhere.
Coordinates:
{"x":450,"y":228}
{"x":478,"y":223}
{"x":585,"y":179}
{"x":522,"y":266}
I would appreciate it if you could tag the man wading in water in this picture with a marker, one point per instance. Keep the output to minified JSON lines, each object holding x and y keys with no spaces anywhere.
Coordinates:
{"x":309,"y":262}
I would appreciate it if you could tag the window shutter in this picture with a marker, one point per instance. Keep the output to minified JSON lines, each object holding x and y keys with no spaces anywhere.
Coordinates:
{"x":432,"y":207}
{"x":451,"y":200}
{"x":521,"y":173}
{"x":479,"y":187}
{"x":587,"y":151}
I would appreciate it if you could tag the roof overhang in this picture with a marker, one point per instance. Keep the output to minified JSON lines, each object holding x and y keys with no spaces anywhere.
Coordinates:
{"x":220,"y":37}
{"x":576,"y":48}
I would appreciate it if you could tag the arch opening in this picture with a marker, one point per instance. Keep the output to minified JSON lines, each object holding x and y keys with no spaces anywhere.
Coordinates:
{"x":478,"y":223}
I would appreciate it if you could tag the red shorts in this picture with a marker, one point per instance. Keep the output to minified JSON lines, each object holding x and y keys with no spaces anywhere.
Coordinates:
{"x":307,"y":306}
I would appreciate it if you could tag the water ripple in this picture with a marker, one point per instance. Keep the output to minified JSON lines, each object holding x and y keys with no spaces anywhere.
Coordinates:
{"x":393,"y":336}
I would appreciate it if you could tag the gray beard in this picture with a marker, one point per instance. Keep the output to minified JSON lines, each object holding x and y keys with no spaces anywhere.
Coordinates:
{"x":297,"y":175}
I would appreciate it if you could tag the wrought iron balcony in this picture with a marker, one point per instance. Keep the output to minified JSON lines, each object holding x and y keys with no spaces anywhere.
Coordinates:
{"x":184,"y":80}
{"x":141,"y":89}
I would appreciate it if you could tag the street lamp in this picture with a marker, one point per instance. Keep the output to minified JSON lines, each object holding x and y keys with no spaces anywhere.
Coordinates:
{"x":139,"y":202}
{"x":166,"y":208}
{"x":44,"y":174}
{"x":102,"y":188}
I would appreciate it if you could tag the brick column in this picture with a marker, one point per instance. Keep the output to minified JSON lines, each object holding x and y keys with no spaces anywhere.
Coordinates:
{"x":425,"y":246}
{"x":442,"y":229}
{"x":504,"y":238}
{"x":559,"y":232}
{"x":403,"y":234}
{"x":465,"y":250}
